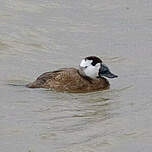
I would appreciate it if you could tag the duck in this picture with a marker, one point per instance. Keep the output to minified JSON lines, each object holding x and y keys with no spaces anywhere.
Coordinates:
{"x":88,"y":77}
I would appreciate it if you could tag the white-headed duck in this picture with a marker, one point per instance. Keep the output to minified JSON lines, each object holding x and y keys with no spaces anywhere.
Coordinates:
{"x":90,"y":76}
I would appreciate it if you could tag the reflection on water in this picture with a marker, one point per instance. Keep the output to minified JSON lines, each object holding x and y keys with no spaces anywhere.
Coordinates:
{"x":40,"y":36}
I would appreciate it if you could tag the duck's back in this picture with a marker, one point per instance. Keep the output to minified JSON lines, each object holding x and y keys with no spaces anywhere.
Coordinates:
{"x":68,"y":79}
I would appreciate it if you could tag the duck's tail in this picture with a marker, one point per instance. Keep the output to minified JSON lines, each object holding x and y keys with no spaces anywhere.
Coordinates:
{"x":34,"y":84}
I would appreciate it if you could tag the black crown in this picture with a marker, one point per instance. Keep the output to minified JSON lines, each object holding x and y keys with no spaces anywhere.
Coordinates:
{"x":94,"y":59}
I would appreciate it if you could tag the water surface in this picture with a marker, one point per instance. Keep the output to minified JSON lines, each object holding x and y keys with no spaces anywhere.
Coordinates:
{"x":39,"y":36}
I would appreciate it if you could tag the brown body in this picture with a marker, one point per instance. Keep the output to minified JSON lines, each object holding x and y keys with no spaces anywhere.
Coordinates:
{"x":69,"y":79}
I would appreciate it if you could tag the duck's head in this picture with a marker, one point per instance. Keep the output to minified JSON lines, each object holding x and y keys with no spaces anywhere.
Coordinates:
{"x":93,"y":67}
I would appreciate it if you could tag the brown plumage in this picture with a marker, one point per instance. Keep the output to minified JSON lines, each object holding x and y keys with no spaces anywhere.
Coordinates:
{"x":70,"y":80}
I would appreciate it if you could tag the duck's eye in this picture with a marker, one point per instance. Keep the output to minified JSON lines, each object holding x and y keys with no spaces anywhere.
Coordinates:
{"x":85,"y":67}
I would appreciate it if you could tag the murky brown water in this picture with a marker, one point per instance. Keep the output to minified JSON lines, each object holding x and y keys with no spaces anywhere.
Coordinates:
{"x":39,"y":36}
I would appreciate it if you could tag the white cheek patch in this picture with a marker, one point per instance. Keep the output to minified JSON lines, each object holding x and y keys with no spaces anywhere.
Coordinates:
{"x":92,"y":71}
{"x":85,"y":63}
{"x":97,"y":66}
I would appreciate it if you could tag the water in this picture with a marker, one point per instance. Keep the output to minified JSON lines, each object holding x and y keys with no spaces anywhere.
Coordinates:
{"x":39,"y":36}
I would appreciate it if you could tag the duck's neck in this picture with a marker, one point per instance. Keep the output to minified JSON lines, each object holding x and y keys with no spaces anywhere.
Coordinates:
{"x":82,"y":74}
